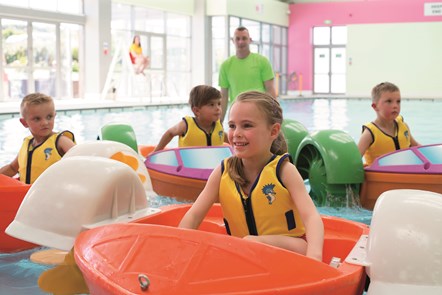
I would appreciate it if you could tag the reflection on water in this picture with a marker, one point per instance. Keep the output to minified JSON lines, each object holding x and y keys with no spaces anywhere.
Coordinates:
{"x":18,"y":275}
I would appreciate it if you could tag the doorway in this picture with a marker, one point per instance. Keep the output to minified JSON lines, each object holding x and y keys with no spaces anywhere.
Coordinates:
{"x":329,"y":59}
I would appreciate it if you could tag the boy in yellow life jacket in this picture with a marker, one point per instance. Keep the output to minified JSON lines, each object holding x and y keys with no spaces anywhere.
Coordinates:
{"x":43,"y":147}
{"x":388,"y":132}
{"x":205,"y":128}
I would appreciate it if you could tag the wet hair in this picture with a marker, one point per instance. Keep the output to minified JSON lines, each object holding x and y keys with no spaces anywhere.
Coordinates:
{"x":34,"y":99}
{"x":202,"y":95}
{"x":377,"y":91}
{"x":273,"y":114}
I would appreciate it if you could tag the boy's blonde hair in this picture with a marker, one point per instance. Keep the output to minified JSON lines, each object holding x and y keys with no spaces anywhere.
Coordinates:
{"x":34,"y":99}
{"x":273,"y":112}
{"x":202,"y":94}
{"x":377,"y":91}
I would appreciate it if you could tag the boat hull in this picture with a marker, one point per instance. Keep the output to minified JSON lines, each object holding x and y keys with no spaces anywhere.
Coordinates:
{"x":378,"y":182}
{"x":180,"y":261}
{"x":180,"y":188}
{"x":12,"y":193}
{"x":182,"y":172}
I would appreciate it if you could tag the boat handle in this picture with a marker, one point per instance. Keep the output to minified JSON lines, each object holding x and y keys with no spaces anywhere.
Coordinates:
{"x":144,"y":281}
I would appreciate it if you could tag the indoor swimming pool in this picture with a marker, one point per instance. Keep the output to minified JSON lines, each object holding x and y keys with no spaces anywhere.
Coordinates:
{"x":149,"y":123}
{"x":18,"y":275}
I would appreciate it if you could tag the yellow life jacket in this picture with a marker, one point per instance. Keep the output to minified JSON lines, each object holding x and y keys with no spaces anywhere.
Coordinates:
{"x":32,"y":161}
{"x":136,"y":48}
{"x":384,"y":143}
{"x":267,"y":210}
{"x":196,"y":136}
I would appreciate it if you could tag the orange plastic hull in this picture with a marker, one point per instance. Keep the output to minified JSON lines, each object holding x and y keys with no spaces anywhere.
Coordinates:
{"x":181,"y":188}
{"x":12,"y":193}
{"x":378,"y":182}
{"x":179,"y":261}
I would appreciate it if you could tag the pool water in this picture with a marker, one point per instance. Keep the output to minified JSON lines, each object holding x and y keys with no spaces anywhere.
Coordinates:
{"x":19,"y":276}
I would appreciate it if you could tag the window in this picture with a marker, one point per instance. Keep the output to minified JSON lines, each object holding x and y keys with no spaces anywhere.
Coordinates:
{"x":269,"y":40}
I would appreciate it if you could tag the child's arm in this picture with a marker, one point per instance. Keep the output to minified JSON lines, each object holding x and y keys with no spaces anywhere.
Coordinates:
{"x":64,"y":144}
{"x":10,"y":169}
{"x":314,"y":228}
{"x":413,"y":141}
{"x":204,"y":202}
{"x":365,"y":141}
{"x":173,"y":131}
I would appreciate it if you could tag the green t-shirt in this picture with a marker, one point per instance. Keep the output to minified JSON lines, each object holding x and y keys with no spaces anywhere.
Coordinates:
{"x":250,"y":73}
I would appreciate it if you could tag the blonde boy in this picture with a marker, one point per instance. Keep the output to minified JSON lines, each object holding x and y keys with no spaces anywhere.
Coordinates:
{"x":388,"y":132}
{"x":44,"y":147}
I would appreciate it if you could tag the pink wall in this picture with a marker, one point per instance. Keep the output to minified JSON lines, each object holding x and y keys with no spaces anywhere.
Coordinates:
{"x":305,"y":16}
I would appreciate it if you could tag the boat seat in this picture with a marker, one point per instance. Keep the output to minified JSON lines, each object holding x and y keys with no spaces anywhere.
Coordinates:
{"x":118,"y":132}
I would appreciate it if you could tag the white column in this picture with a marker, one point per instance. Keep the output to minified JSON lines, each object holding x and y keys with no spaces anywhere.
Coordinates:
{"x":201,"y":45}
{"x":97,"y":46}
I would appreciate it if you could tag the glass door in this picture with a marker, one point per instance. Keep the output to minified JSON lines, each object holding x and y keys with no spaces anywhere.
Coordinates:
{"x":322,"y":70}
{"x":338,"y":70}
{"x":329,"y":75}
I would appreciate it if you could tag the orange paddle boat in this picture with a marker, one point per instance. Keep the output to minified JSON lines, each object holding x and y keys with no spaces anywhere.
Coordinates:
{"x":12,"y":193}
{"x":152,"y":255}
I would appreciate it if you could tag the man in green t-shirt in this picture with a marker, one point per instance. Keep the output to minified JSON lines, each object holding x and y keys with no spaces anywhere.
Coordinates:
{"x":244,"y":71}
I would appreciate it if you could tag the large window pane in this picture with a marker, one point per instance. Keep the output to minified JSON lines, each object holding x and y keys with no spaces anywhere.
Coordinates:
{"x":178,"y":84}
{"x":276,"y":58}
{"x":254,"y":29}
{"x":177,"y":54}
{"x":44,"y":47}
{"x":276,"y":34}
{"x":219,"y":27}
{"x":266,"y":51}
{"x":321,"y":36}
{"x":219,"y":38}
{"x":66,"y":6}
{"x":178,"y":25}
{"x":234,"y":23}
{"x":70,"y":36}
{"x":121,"y":19}
{"x":266,"y":33}
{"x":157,"y":48}
{"x":15,"y":55}
{"x":218,"y":54}
{"x":339,"y":35}
{"x":149,"y":20}
{"x":284,"y":36}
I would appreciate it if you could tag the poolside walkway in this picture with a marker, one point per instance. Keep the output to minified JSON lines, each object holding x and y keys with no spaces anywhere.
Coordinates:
{"x":12,"y":108}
